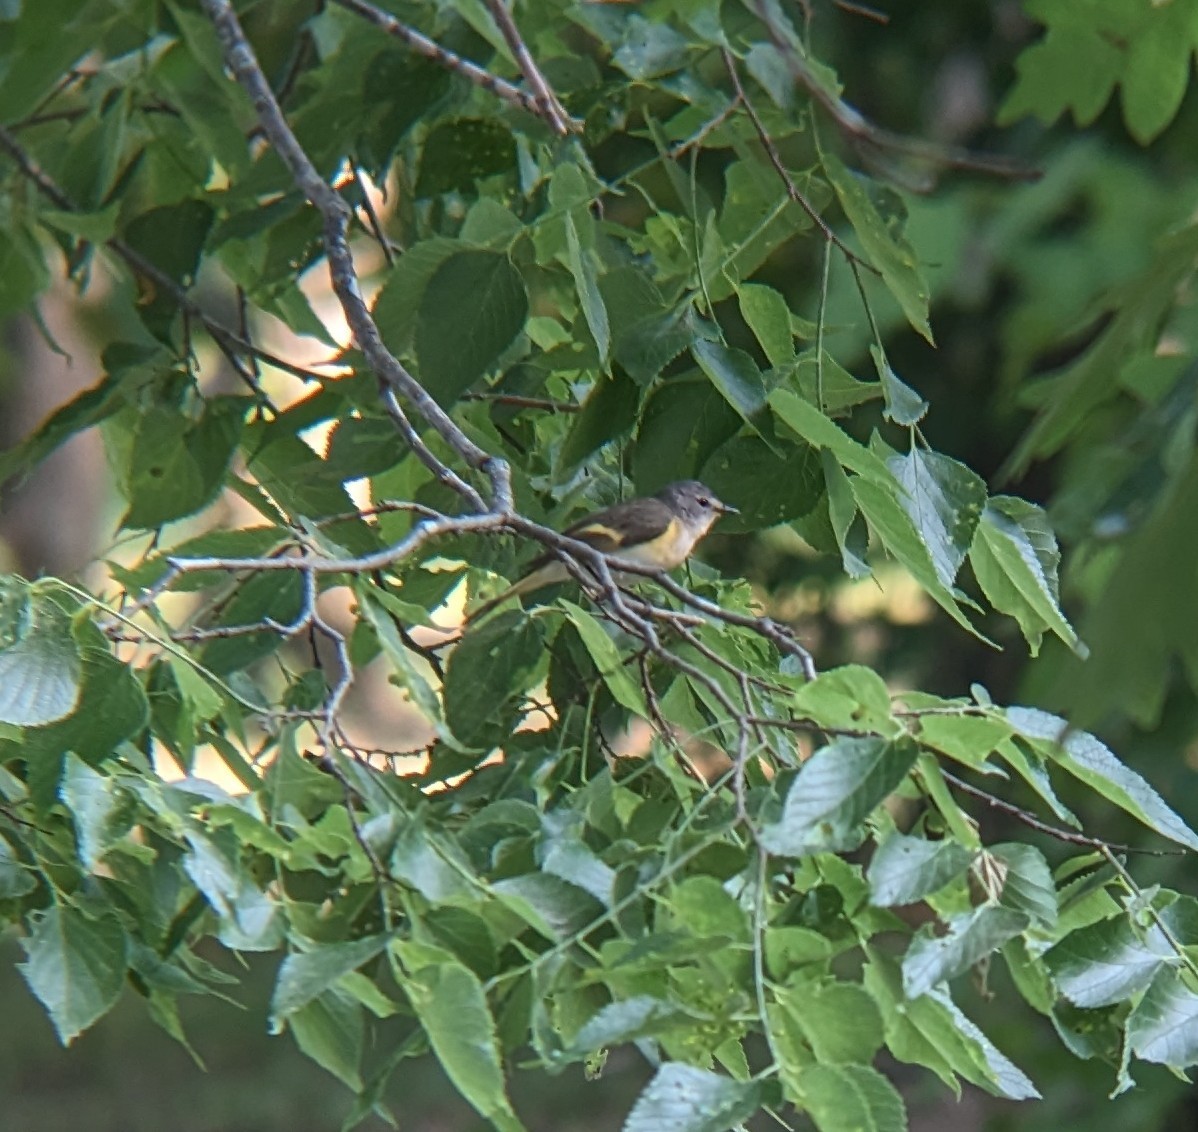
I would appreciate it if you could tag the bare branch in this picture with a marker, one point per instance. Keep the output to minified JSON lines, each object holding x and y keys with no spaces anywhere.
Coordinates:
{"x":550,"y":110}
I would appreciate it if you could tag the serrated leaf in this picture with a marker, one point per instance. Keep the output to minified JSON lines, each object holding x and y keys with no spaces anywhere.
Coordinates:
{"x":459,"y":152}
{"x":887,"y":518}
{"x":903,"y":405}
{"x":40,"y":675}
{"x":1087,"y":759}
{"x":834,"y":792}
{"x":607,"y":659}
{"x":1163,"y":1027}
{"x":75,"y":966}
{"x":472,"y":308}
{"x":1014,"y":556}
{"x":587,"y":284}
{"x":932,"y":1031}
{"x":736,"y":376}
{"x":1027,"y":885}
{"x":331,"y":1031}
{"x":397,"y":305}
{"x":945,"y":501}
{"x":851,"y":1098}
{"x":971,"y":936}
{"x":1157,"y":70}
{"x":305,"y":975}
{"x":840,"y":1021}
{"x":452,"y":1007}
{"x":16,"y":878}
{"x":683,"y":1098}
{"x":423,"y":696}
{"x":815,"y":428}
{"x":906,"y":869}
{"x":176,"y":465}
{"x":93,"y":801}
{"x":768,"y":316}
{"x":1108,"y":962}
{"x":626,"y":1021}
{"x":891,"y":254}
{"x":851,"y":697}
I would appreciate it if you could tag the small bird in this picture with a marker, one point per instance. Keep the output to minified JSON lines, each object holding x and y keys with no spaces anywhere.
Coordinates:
{"x":659,"y":531}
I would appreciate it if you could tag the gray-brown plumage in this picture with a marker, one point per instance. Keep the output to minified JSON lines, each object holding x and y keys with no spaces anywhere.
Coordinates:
{"x":659,"y":531}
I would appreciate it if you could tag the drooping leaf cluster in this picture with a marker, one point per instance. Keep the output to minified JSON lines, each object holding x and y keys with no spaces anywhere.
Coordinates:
{"x":784,"y":881}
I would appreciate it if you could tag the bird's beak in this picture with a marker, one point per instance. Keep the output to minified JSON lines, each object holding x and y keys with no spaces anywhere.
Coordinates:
{"x":728,"y":509}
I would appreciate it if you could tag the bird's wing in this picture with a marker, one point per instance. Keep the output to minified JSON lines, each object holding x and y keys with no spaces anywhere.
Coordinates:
{"x":625,"y":524}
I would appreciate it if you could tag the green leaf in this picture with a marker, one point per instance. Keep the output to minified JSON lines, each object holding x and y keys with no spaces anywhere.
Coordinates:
{"x":471,"y":311}
{"x":932,"y":1031}
{"x":834,"y":792}
{"x":683,"y":1098}
{"x":582,"y":267}
{"x":459,"y":152}
{"x":305,"y":975}
{"x":426,"y":862}
{"x":906,"y":869}
{"x":852,"y":535}
{"x":249,"y":919}
{"x":736,"y":376}
{"x":553,"y":907}
{"x":171,"y":237}
{"x":1163,"y":1027}
{"x":945,"y":500}
{"x":889,"y":252}
{"x":1027,"y":884}
{"x":851,"y":697}
{"x":649,"y":49}
{"x":768,"y":486}
{"x":610,"y":410}
{"x":1091,"y":762}
{"x":903,"y":405}
{"x":40,"y":674}
{"x":815,"y":428}
{"x":627,"y":1021}
{"x":16,"y":878}
{"x":1157,"y":71}
{"x":1014,"y":557}
{"x":971,"y":936}
{"x":893,"y":525}
{"x":488,"y":673}
{"x":452,"y":1008}
{"x":331,"y":1031}
{"x":94,"y":803}
{"x":1074,"y":67}
{"x":176,"y":465}
{"x":768,"y":316}
{"x":410,"y":676}
{"x":1108,"y":962}
{"x":840,"y":1021}
{"x":75,"y":966}
{"x":397,"y":306}
{"x":850,"y":1098}
{"x":112,"y":707}
{"x":616,"y":675}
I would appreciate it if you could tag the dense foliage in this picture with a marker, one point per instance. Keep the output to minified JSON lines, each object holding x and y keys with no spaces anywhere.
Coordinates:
{"x":695,"y":264}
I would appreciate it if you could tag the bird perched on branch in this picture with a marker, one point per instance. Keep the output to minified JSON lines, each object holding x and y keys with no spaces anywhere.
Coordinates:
{"x":659,"y":531}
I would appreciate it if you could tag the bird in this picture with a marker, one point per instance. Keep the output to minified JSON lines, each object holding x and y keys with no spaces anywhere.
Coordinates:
{"x":659,"y":531}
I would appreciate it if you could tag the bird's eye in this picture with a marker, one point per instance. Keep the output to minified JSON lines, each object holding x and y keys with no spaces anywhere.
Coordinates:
{"x":704,"y":502}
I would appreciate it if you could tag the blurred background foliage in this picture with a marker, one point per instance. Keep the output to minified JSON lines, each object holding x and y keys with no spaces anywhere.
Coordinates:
{"x":1063,"y":371}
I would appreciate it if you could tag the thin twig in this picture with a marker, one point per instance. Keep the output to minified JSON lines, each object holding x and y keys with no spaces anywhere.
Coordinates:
{"x":792,"y":190}
{"x":1034,"y":822}
{"x":472,"y":72}
{"x":867,"y":136}
{"x":547,"y":102}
